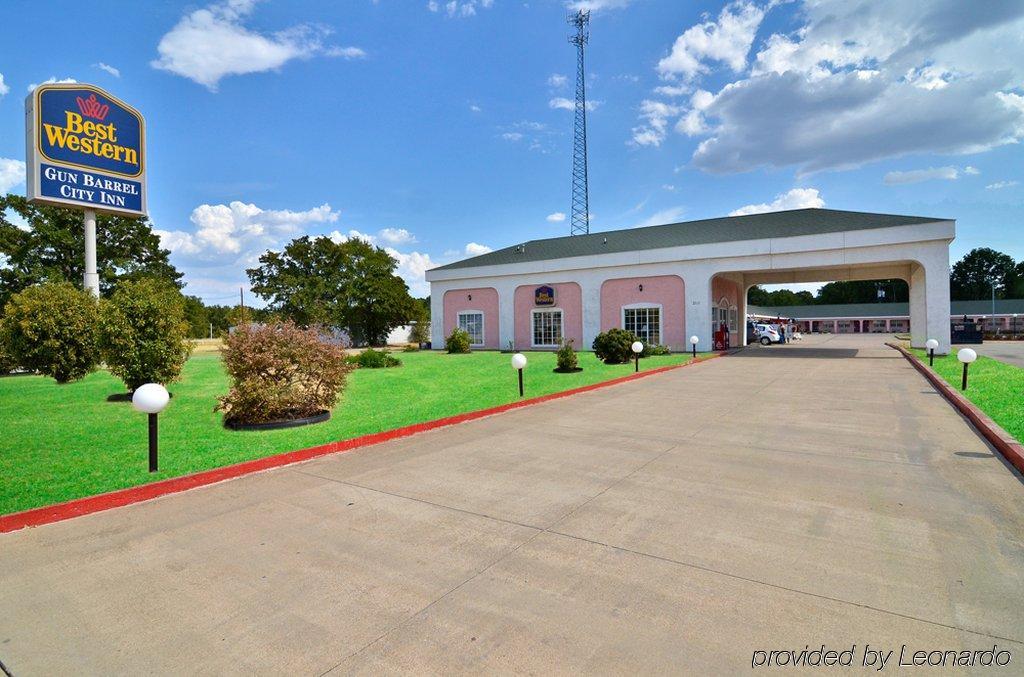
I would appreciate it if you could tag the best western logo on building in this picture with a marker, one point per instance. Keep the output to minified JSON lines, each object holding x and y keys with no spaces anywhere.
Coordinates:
{"x":85,"y":148}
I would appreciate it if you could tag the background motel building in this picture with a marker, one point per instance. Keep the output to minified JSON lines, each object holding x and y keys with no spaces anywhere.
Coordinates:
{"x":666,"y":283}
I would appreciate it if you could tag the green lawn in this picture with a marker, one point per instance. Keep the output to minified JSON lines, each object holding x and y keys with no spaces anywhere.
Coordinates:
{"x":995,"y":387}
{"x":59,"y":442}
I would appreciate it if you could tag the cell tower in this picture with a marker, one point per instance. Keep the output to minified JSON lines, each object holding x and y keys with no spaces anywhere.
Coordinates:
{"x":580,"y":221}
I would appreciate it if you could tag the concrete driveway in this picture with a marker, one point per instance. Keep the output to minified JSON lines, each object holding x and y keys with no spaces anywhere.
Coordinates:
{"x":814,"y":494}
{"x":1011,"y":352}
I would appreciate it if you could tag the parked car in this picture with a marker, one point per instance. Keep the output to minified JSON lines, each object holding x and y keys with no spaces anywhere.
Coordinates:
{"x":764,"y":334}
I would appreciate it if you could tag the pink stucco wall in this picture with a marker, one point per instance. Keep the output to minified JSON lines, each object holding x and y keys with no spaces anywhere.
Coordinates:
{"x":484,"y":300}
{"x":666,"y":290}
{"x":724,"y":288}
{"x":568,"y":298}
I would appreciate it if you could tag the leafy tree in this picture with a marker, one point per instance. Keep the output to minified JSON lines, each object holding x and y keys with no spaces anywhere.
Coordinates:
{"x":863,"y":291}
{"x":757,"y":296}
{"x":52,"y":248}
{"x":420,"y":318}
{"x":143,"y":332}
{"x":972,"y":276}
{"x":349,"y":285}
{"x":51,"y":328}
{"x":1015,"y":283}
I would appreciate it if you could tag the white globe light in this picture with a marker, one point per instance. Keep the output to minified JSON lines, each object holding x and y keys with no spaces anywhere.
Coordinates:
{"x":694,"y":340}
{"x":637,"y":347}
{"x":966,"y":355}
{"x":150,"y":398}
{"x":931,"y":344}
{"x":519,"y":361}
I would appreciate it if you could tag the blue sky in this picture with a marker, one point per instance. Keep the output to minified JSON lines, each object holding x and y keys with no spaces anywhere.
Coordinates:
{"x":437,"y":129}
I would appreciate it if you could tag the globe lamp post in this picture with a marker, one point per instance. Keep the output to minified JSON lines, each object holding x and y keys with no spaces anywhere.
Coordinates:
{"x":693,"y":342}
{"x":519,"y":363}
{"x":151,"y":399}
{"x":638,"y":348}
{"x":931,"y":345}
{"x":966,"y":355}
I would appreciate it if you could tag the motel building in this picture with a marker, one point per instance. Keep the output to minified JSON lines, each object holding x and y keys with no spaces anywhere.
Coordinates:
{"x":667,"y":283}
{"x":1005,"y":316}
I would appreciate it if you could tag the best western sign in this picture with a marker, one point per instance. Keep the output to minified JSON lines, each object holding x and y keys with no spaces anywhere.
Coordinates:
{"x":85,"y":148}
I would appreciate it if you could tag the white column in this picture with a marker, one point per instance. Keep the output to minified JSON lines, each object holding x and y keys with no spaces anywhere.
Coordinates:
{"x":697,"y":284}
{"x":590,"y":288}
{"x":937,"y":300}
{"x":91,"y":279}
{"x":741,"y":311}
{"x":919,"y":308}
{"x":437,"y":315}
{"x":507,"y":315}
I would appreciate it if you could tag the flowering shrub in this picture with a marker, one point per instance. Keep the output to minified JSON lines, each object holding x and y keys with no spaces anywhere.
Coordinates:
{"x":280,"y":372}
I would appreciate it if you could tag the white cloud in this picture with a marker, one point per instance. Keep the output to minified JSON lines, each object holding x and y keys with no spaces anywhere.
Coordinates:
{"x":918,"y":175}
{"x":396,"y":236}
{"x":241,"y":229}
{"x":655,"y":115}
{"x":475,"y":249}
{"x":557,"y":80}
{"x":971,"y":170}
{"x":998,"y":185}
{"x":411,"y":268}
{"x":475,"y":108}
{"x":453,"y":8}
{"x":864,"y":80}
{"x":659,"y":218}
{"x":726,"y":40}
{"x":108,"y":68}
{"x":51,"y":81}
{"x":797,"y":198}
{"x":598,"y":5}
{"x":512,"y":136}
{"x":12,"y":173}
{"x":669,"y":187}
{"x":555,"y":217}
{"x":3,"y":86}
{"x":338,"y":237}
{"x":562,"y":103}
{"x":211,"y":43}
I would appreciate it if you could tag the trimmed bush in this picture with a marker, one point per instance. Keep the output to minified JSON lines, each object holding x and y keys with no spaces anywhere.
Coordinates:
{"x":51,"y":329}
{"x":374,"y":359}
{"x":655,"y":349}
{"x":457,"y":341}
{"x":614,"y":346}
{"x":280,"y":372}
{"x":566,"y":357}
{"x":144,"y":333}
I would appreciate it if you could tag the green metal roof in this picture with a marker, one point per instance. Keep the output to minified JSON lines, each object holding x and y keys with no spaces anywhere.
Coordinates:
{"x":1003,"y":307}
{"x":790,"y":223}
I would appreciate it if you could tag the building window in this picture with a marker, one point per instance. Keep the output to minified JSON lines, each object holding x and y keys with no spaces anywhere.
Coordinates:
{"x":472,"y":322}
{"x":547,"y":328}
{"x":645,"y":322}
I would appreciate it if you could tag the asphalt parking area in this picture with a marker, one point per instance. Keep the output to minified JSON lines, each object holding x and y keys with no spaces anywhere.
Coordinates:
{"x":676,"y":523}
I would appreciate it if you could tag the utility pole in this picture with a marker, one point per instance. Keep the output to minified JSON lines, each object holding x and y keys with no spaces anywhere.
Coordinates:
{"x":579,"y":223}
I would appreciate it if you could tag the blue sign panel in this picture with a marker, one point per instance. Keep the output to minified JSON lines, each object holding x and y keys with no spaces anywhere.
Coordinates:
{"x":88,"y":188}
{"x":84,"y":127}
{"x":544,"y":296}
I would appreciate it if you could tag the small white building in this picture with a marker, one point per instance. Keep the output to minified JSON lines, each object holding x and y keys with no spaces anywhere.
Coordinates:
{"x":668,"y":282}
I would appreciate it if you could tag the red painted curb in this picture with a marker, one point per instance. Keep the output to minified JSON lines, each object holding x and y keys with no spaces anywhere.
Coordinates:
{"x":1005,"y":443}
{"x":144,"y":492}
